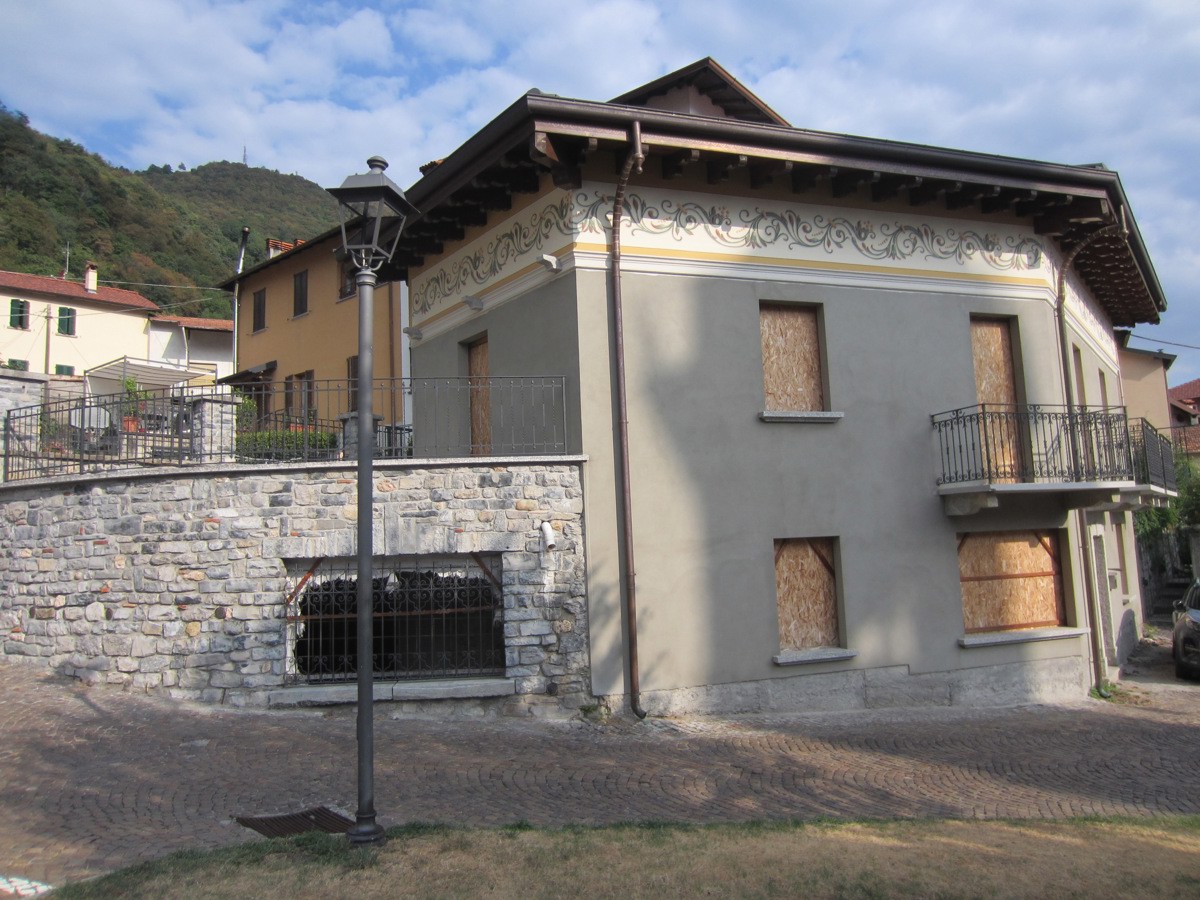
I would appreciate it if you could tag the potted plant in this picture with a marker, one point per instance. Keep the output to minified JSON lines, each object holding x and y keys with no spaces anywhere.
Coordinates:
{"x":133,"y":405}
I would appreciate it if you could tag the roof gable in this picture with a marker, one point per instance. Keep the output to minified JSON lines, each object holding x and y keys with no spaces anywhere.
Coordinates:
{"x":702,"y":89}
{"x":73,"y":290}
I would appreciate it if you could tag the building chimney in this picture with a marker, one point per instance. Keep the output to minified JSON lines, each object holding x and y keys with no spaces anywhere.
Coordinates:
{"x":91,"y":278}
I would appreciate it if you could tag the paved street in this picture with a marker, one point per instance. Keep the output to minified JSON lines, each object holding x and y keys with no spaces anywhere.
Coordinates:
{"x":93,"y":779}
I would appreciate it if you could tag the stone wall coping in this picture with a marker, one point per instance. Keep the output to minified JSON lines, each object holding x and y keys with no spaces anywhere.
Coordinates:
{"x":446,"y":689}
{"x":151,"y":473}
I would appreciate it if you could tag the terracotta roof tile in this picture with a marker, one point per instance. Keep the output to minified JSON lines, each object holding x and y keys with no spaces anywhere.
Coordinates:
{"x":1189,"y":390}
{"x":74,"y":290}
{"x":198,"y":323}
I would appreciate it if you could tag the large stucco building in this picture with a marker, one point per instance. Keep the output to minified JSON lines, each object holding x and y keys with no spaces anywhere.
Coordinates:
{"x":870,"y":392}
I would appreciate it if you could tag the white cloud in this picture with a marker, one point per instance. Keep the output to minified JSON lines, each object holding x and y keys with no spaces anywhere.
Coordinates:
{"x":316,"y":87}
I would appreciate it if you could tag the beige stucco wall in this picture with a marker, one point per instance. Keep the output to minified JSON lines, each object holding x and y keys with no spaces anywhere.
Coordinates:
{"x":327,"y":334}
{"x":102,"y":333}
{"x":1144,"y":378}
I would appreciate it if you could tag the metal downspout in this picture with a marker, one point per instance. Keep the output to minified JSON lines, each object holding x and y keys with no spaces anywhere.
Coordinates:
{"x":636,"y":156}
{"x":1099,"y":667}
{"x":237,"y":292}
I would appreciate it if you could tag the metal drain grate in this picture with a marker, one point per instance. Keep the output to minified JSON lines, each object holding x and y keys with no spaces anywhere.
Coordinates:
{"x":316,"y":819}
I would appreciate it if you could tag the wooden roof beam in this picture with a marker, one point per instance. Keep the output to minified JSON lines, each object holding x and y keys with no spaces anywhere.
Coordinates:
{"x":563,"y":159}
{"x":805,"y":178}
{"x":1081,"y":211}
{"x":720,"y":169}
{"x":764,"y":172}
{"x":673,"y":164}
{"x":889,"y":186}
{"x":930,"y":190}
{"x":969,"y":193}
{"x":846,"y":183}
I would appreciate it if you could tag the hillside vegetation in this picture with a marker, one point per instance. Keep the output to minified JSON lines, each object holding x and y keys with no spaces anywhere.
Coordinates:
{"x":157,"y":227}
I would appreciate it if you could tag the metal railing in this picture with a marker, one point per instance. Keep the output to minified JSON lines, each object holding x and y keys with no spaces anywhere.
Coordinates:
{"x":1153,"y":455}
{"x":1034,"y":444}
{"x":433,"y":619}
{"x":298,"y":421}
{"x":1186,"y":439}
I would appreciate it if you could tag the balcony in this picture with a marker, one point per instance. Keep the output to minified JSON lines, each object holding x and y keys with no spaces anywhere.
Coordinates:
{"x":298,"y":421}
{"x":1086,"y":457}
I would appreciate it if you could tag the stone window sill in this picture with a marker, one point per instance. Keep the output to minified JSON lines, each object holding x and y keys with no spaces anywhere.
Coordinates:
{"x":1027,"y":636}
{"x":338,"y":694}
{"x":808,"y":418}
{"x":815,"y":655}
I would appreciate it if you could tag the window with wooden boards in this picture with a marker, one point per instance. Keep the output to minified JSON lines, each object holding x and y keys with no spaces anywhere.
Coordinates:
{"x":806,"y":593}
{"x":791,"y":356}
{"x":1010,"y":580}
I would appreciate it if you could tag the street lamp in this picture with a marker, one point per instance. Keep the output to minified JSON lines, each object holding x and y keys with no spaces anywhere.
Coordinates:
{"x":373,"y":211}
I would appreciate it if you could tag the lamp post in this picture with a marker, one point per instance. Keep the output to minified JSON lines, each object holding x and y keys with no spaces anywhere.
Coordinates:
{"x":373,"y":211}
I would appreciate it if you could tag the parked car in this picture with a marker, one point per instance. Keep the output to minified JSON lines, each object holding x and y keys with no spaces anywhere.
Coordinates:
{"x":1185,"y":639}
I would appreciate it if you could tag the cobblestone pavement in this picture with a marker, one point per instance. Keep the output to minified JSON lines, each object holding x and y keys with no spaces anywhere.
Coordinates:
{"x":94,"y":779}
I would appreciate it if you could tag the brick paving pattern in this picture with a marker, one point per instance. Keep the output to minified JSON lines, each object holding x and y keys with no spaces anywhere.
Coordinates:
{"x":94,"y":779}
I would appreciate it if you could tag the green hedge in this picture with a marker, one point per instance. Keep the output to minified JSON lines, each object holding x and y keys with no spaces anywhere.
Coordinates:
{"x":285,"y":444}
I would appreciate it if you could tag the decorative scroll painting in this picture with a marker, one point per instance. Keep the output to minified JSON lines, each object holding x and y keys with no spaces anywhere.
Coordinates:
{"x":699,"y":226}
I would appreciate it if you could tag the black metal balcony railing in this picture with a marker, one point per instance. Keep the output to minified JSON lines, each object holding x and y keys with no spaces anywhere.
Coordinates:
{"x":1049,"y":444}
{"x":299,"y":421}
{"x":1153,"y":455}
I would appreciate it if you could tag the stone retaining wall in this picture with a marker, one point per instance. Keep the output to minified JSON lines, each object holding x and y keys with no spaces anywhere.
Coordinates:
{"x":176,"y":581}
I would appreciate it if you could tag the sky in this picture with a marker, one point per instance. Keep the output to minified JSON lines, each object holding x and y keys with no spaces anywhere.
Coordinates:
{"x":315,"y":87}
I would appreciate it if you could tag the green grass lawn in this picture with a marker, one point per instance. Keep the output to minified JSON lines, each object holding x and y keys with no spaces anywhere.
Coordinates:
{"x":1092,"y":858}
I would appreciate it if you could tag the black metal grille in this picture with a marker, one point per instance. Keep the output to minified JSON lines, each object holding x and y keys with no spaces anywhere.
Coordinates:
{"x":433,"y":619}
{"x":1034,"y":444}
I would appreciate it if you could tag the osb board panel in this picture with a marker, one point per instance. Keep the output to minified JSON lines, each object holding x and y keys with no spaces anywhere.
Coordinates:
{"x":1010,"y":579}
{"x":481,"y":399}
{"x":996,"y":385}
{"x":991,"y":348}
{"x":791,"y":353}
{"x":806,"y":593}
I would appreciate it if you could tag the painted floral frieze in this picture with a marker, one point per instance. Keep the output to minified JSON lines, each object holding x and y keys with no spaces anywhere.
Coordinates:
{"x":696,"y":225}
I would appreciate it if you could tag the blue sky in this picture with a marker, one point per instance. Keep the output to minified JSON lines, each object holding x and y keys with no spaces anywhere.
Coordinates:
{"x":317,"y":87}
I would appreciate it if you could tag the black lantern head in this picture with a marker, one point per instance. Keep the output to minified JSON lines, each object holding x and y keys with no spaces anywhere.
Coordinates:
{"x":373,"y":211}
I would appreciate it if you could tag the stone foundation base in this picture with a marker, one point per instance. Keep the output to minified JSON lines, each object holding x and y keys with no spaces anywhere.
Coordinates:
{"x":1037,"y":681}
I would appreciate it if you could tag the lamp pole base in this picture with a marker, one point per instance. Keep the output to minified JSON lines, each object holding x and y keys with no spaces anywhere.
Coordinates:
{"x":365,"y":831}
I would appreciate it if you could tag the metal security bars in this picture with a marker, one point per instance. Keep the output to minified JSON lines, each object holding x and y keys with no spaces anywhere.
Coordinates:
{"x":1033,"y":444}
{"x":297,"y":419}
{"x":1153,"y":455}
{"x":434,"y":618}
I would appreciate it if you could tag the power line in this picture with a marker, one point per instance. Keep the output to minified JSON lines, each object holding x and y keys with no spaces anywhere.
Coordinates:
{"x":178,"y":287}
{"x":1161,"y":341}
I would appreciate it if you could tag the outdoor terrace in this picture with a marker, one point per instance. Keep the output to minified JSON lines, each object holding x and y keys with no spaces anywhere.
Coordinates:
{"x":297,"y":421}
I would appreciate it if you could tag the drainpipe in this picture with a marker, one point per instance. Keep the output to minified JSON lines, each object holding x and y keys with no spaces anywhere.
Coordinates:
{"x":237,"y":290}
{"x":635,"y":158}
{"x":1091,"y":589}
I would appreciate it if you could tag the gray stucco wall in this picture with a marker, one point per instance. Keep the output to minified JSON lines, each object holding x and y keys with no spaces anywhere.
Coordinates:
{"x":177,"y":581}
{"x":714,"y":486}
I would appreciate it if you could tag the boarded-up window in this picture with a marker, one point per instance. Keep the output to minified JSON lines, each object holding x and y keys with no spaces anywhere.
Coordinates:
{"x":791,"y":353}
{"x":1010,"y":579}
{"x":806,"y":593}
{"x":481,"y":398}
{"x":996,"y":391}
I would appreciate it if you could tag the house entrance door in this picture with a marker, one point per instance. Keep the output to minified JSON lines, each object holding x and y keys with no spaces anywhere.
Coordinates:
{"x":1000,"y":425}
{"x":481,"y":398}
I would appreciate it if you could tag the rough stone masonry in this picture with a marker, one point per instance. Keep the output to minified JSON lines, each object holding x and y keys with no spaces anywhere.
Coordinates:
{"x":177,"y":581}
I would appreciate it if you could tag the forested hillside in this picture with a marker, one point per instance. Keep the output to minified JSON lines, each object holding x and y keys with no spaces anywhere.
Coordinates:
{"x":157,"y":227}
